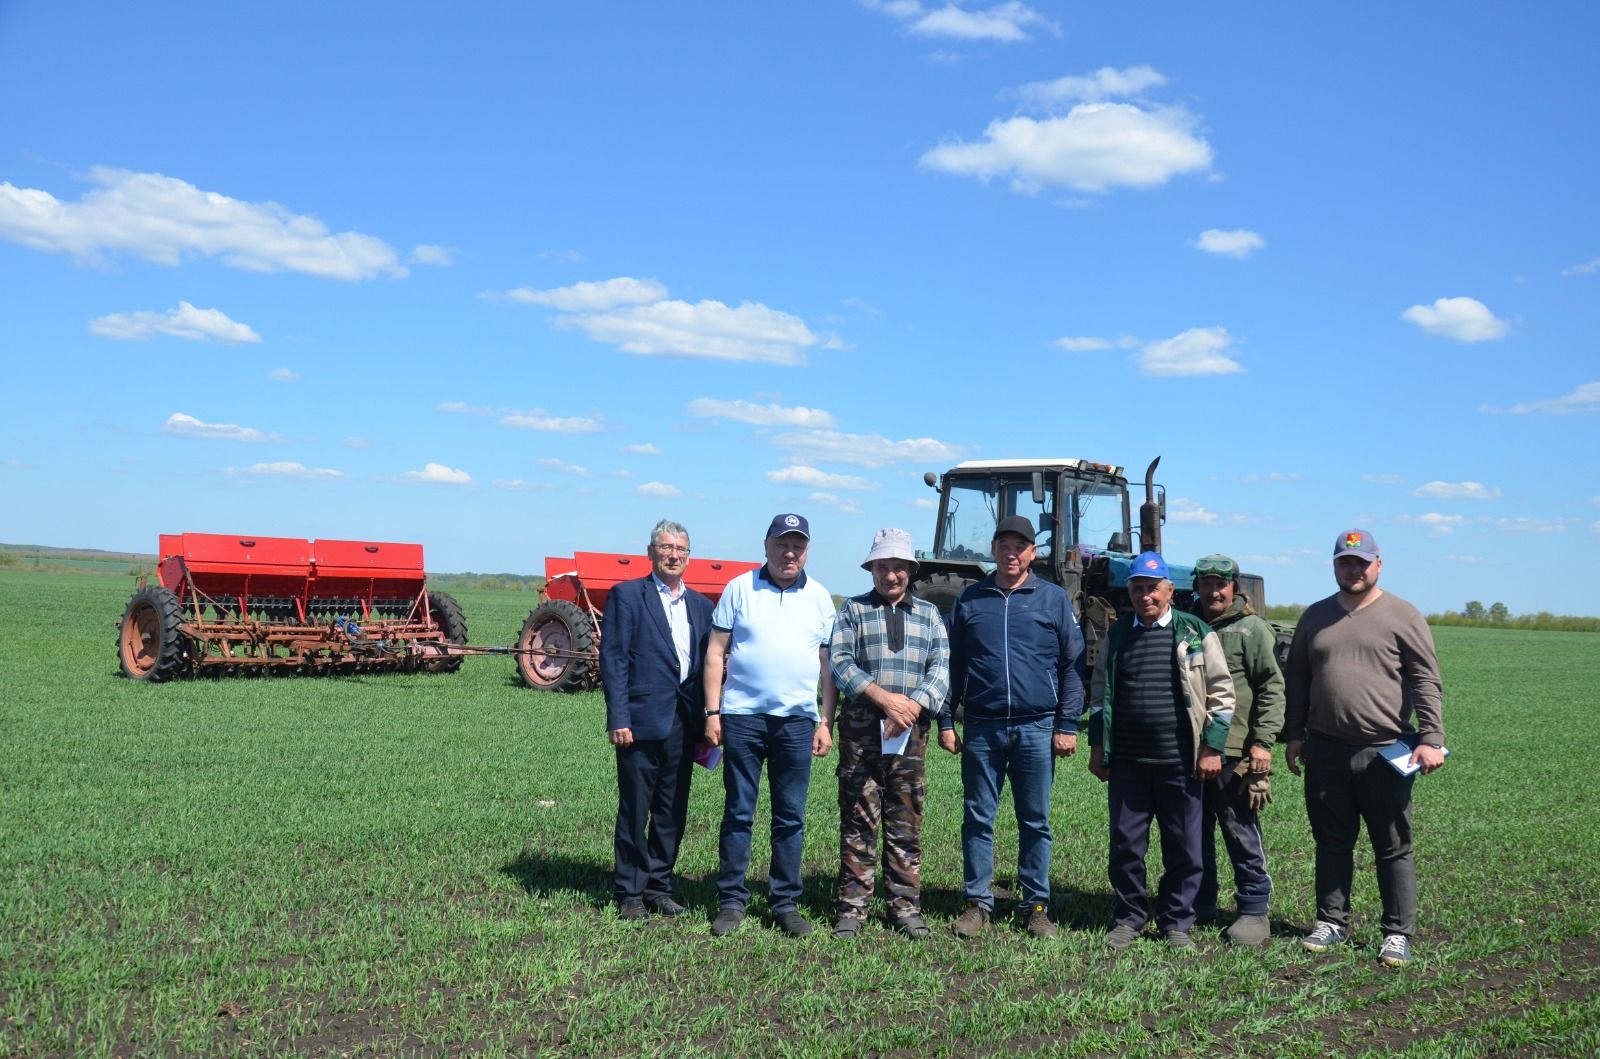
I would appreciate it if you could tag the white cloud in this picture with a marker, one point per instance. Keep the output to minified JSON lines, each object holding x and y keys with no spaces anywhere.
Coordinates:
{"x":1584,"y":268}
{"x":1183,"y":510}
{"x":866,"y":450}
{"x":592,"y":297}
{"x":749,"y":331}
{"x":355,"y":441}
{"x":1382,"y":479}
{"x":429,"y":254}
{"x":1463,"y":319}
{"x":800,"y":474}
{"x":1586,"y":398}
{"x":643,"y":448}
{"x":575,"y":469}
{"x":520,"y":485}
{"x":1090,"y":343}
{"x":861,"y":306}
{"x":622,"y":473}
{"x":766,"y":415}
{"x":1436,"y":524}
{"x":291,"y":469}
{"x":568,"y":257}
{"x":1094,"y":147}
{"x":438,"y":474}
{"x":163,"y":219}
{"x":538,"y":419}
{"x":1006,"y":22}
{"x":1531,"y":525}
{"x":658,"y":489}
{"x":1104,"y":83}
{"x":1456,"y":491}
{"x":1237,"y":242}
{"x":283,"y":375}
{"x":847,"y":506}
{"x":181,"y":425}
{"x":1197,"y":351}
{"x":199,"y":325}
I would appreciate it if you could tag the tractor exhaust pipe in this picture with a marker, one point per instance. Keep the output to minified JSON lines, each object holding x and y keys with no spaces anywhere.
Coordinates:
{"x":1150,"y":512}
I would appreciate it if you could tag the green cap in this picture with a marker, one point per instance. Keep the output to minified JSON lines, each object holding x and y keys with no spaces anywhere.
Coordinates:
{"x":1216,"y":566}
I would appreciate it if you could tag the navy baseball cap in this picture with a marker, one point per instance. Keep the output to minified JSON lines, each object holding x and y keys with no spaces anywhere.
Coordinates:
{"x":1148,"y":564}
{"x":1357,"y":542}
{"x":789,"y":523}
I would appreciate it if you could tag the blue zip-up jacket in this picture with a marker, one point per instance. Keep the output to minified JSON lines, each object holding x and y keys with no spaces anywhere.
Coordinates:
{"x":1015,"y":655}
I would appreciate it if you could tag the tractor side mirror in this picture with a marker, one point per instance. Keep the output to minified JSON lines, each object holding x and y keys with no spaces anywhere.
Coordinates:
{"x":930,"y":479}
{"x":1038,"y":487}
{"x":1118,"y":543}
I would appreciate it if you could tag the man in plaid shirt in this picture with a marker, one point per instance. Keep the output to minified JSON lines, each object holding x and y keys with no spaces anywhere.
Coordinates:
{"x":890,"y":660}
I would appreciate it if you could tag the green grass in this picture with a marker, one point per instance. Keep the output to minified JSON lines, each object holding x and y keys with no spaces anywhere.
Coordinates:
{"x":416,"y":865}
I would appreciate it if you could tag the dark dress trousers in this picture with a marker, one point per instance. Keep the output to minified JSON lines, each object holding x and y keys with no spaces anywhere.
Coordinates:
{"x":639,"y":670}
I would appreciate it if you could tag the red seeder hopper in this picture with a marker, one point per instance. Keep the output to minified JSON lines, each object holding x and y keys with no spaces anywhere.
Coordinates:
{"x":279,"y":604}
{"x":559,"y":648}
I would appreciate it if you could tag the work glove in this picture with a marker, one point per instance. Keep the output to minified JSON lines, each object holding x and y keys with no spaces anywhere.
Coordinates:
{"x":1257,"y":788}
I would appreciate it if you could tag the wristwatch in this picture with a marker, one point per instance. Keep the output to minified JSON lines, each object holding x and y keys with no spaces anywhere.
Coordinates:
{"x":713,"y":713}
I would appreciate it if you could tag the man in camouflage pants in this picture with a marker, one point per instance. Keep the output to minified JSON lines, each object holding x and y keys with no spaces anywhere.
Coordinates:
{"x":890,"y":659}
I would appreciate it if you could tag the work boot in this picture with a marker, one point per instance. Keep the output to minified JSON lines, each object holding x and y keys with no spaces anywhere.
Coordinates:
{"x":631,"y":909}
{"x":728,"y":919}
{"x":1178,"y":939}
{"x":1253,"y":931}
{"x":664,"y":905}
{"x":972,"y":921}
{"x":1038,"y":921}
{"x":1121,"y":936}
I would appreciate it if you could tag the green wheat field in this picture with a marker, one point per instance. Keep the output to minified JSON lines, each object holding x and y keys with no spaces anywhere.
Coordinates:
{"x":416,"y":865}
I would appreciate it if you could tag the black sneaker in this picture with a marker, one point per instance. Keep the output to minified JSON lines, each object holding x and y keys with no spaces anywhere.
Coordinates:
{"x":631,"y":909}
{"x":793,"y":923}
{"x":727,"y":921}
{"x":665,"y":906}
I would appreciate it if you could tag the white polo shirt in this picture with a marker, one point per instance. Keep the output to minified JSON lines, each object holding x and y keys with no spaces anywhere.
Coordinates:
{"x":773,"y":660}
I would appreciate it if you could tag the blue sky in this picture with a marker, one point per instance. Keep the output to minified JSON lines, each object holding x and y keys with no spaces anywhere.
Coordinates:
{"x":517,"y":279}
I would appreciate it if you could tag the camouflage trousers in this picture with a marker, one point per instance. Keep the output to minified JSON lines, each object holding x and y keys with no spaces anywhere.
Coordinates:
{"x":879,"y":788}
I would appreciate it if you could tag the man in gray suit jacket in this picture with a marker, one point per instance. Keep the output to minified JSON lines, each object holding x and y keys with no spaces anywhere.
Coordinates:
{"x":652,"y":650}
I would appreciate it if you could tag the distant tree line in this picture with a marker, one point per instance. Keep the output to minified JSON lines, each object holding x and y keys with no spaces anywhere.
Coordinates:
{"x":1498,"y":616}
{"x":510,"y":582}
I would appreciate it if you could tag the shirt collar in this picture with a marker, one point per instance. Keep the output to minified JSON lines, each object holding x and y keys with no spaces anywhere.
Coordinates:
{"x":879,"y":601}
{"x":1160,"y":623}
{"x":765,"y":575}
{"x":661,"y":587}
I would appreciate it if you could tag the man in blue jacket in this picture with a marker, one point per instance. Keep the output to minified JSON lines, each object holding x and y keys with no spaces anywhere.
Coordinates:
{"x":1016,"y":670}
{"x":652,"y":649}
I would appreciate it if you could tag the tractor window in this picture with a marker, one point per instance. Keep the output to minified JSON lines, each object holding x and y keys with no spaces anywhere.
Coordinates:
{"x":977,"y":504}
{"x":1099,"y":511}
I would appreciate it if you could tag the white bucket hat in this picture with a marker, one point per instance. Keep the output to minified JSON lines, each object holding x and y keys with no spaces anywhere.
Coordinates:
{"x":891,"y":544}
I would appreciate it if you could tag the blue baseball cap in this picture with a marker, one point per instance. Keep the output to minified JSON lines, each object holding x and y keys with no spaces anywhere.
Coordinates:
{"x":1148,"y":564}
{"x":789,"y":523}
{"x":1357,"y":542}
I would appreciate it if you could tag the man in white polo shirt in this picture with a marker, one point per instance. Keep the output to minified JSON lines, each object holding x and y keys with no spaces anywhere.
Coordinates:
{"x":771,"y":628}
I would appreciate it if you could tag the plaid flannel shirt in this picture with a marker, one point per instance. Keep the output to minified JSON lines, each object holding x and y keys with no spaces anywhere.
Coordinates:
{"x":859,"y":653}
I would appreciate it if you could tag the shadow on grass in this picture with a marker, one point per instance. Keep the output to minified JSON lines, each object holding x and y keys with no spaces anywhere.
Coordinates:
{"x":541,"y":875}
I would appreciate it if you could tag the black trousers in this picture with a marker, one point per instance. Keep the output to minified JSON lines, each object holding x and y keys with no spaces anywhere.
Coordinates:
{"x":653,"y":777}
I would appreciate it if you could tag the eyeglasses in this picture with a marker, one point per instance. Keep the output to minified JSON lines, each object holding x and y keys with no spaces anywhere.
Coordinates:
{"x":670,"y":549}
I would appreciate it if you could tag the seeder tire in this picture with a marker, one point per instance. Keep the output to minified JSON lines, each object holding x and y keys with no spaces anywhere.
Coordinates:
{"x":149,"y":645}
{"x":448,"y":617}
{"x":556,"y":625}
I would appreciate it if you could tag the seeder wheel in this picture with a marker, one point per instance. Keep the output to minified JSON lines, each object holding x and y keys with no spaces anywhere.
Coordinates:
{"x":448,"y":617}
{"x":149,"y":645}
{"x":556,"y":647}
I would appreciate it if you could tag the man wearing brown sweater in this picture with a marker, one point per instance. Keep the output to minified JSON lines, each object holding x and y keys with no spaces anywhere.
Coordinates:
{"x":1361,"y":668}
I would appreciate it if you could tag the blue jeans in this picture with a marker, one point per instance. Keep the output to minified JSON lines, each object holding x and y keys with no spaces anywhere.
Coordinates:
{"x":1227,"y":807}
{"x":783,"y":744}
{"x":992,"y":751}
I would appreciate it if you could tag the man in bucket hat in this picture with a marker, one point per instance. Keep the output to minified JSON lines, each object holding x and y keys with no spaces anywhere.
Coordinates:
{"x":1362,"y":677}
{"x":1233,"y":799}
{"x":890,"y":660}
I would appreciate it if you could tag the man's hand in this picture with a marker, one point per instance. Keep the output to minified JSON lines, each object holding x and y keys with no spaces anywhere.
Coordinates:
{"x":1257,"y":789}
{"x":949,"y":740}
{"x":1293,"y":754}
{"x":1260,"y":759}
{"x":822,"y":741}
{"x":1064,"y":744}
{"x":1210,"y":763}
{"x":621,"y":737}
{"x":714,"y":730}
{"x":1097,"y":764}
{"x":1429,"y":757}
{"x":900,"y":711}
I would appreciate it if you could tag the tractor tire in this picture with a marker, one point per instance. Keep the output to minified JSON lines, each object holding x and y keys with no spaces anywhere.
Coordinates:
{"x":557,"y":626}
{"x":452,"y":623}
{"x":149,"y":645}
{"x":941,"y":590}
